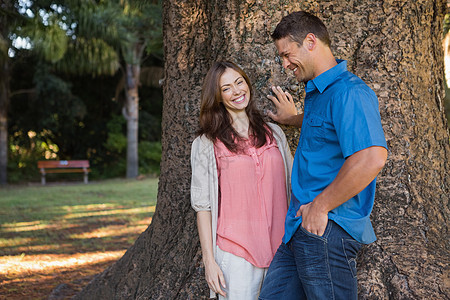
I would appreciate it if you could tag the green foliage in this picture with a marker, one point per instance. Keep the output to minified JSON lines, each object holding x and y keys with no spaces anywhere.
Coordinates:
{"x":116,"y":144}
{"x":149,"y":157}
{"x":117,"y":141}
{"x":447,"y":90}
{"x":25,"y":150}
{"x":77,"y":115}
{"x":446,"y":24}
{"x":93,"y":56}
{"x":50,"y":42}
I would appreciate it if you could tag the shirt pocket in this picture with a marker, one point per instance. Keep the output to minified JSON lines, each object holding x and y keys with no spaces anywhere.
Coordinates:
{"x":314,"y":133}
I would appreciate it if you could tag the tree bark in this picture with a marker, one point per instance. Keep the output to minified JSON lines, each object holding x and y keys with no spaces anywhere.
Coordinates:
{"x":131,"y":113}
{"x":394,"y":46}
{"x":4,"y":103}
{"x":131,"y":108}
{"x":4,"y":90}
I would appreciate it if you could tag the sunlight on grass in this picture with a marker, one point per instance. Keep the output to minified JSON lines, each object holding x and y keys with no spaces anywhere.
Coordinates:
{"x":113,"y":230}
{"x":16,"y":241}
{"x":19,"y":227}
{"x":49,"y":264}
{"x":89,"y":207}
{"x":12,"y":227}
{"x":67,"y":234}
{"x":22,"y":224}
{"x":41,"y":248}
{"x":111,"y":212}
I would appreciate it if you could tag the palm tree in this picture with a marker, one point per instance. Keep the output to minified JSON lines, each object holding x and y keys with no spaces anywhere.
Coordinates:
{"x":111,"y":36}
{"x":85,"y":37}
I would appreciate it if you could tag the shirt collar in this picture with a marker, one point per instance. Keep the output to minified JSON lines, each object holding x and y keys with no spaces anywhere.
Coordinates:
{"x":326,"y":78}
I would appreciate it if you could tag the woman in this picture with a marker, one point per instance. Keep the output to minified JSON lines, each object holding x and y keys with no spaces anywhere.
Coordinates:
{"x":240,"y":185}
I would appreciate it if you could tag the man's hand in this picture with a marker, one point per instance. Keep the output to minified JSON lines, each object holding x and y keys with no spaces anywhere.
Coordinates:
{"x":286,"y":110}
{"x":314,"y":220}
{"x":214,"y":277}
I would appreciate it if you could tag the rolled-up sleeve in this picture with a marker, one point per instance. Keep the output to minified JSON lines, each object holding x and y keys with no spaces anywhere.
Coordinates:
{"x":201,"y":172}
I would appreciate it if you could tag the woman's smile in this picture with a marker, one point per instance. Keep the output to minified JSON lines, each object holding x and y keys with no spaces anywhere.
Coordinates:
{"x":239,"y":100}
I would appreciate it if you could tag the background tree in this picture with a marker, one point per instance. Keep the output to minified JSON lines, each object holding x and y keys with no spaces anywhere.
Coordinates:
{"x":395,"y":47}
{"x":78,"y":38}
{"x":136,"y":29}
{"x":109,"y":35}
{"x":6,"y":24}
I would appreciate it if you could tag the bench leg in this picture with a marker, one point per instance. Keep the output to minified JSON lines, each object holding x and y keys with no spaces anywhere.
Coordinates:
{"x":43,"y":179}
{"x":86,"y":178}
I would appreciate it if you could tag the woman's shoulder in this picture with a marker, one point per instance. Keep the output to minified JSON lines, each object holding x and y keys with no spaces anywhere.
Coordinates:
{"x":202,"y":141}
{"x":275,"y":128}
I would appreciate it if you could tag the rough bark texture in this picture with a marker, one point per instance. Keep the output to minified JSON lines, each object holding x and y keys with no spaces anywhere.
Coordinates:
{"x":4,"y":92}
{"x":4,"y":101}
{"x":395,"y":47}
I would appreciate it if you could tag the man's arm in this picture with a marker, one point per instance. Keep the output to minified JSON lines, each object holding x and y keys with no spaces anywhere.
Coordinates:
{"x":286,"y":110}
{"x":356,"y":173}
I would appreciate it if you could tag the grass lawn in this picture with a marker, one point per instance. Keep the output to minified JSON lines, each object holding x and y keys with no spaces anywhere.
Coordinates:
{"x":64,"y":234}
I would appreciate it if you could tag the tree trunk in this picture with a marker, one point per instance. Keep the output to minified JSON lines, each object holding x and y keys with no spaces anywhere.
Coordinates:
{"x":394,"y":46}
{"x":4,"y":101}
{"x":5,"y":25}
{"x":131,"y":113}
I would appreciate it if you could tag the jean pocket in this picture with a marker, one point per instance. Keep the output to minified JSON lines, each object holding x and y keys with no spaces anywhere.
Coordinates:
{"x":322,"y":238}
{"x":351,"y":248}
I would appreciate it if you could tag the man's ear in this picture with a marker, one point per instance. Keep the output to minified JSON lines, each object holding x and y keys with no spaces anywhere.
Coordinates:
{"x":310,"y":41}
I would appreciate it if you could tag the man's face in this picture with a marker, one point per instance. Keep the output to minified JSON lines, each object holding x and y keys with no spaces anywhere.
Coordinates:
{"x":296,"y":58}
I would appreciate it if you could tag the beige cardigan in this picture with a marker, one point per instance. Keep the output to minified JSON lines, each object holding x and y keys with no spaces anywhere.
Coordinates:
{"x":204,"y":182}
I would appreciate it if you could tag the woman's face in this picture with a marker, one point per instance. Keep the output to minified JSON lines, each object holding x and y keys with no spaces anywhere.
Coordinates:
{"x":234,"y":91}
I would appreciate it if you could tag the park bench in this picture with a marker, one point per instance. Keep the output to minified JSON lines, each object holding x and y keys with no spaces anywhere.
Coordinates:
{"x":63,"y":166}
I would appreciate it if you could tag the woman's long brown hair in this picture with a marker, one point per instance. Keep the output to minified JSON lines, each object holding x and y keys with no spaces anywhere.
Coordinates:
{"x":216,"y":122}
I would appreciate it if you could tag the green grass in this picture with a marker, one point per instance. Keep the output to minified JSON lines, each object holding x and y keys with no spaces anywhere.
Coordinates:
{"x":68,"y":233}
{"x":40,"y":215}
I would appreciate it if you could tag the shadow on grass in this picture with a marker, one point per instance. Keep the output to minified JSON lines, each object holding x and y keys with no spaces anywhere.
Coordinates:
{"x":38,"y":282}
{"x":43,"y":245}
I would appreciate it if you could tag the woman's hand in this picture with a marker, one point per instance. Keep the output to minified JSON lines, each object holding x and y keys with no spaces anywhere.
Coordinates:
{"x":214,"y":277}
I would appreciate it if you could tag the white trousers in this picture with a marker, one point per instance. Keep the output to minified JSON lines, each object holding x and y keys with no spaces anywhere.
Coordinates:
{"x":243,"y":279}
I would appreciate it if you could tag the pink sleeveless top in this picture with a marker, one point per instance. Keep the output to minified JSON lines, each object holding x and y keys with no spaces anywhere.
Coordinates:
{"x":252,"y":202}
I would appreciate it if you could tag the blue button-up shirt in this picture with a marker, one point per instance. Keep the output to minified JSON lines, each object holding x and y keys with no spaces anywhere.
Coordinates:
{"x":341,"y":117}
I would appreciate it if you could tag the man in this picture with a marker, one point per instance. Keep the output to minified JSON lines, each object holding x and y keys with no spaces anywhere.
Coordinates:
{"x":341,"y":150}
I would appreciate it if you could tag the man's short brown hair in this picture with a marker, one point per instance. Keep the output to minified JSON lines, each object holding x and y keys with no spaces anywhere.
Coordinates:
{"x":298,"y":24}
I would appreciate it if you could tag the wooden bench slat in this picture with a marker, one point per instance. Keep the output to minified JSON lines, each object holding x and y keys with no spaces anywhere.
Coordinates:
{"x":63,"y":166}
{"x":48,"y":171}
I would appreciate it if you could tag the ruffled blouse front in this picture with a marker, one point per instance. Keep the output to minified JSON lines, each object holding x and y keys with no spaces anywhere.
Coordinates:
{"x":252,"y":203}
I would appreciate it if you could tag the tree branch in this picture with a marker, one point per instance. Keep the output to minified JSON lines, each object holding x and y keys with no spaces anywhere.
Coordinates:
{"x":23,"y":91}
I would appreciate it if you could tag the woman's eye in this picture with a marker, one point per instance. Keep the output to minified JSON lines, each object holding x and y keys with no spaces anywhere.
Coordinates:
{"x":225,"y":90}
{"x":240,"y":82}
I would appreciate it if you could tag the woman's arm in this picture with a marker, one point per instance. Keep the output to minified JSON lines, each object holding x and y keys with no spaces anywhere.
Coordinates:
{"x":213,"y":273}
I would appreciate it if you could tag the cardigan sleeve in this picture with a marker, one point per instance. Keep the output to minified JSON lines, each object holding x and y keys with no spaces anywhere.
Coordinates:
{"x":200,"y":181}
{"x":285,"y":150}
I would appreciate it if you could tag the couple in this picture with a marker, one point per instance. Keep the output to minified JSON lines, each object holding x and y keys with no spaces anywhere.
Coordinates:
{"x":243,"y":176}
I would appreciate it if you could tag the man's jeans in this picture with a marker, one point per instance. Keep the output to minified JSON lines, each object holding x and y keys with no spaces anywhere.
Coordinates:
{"x":314,"y":267}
